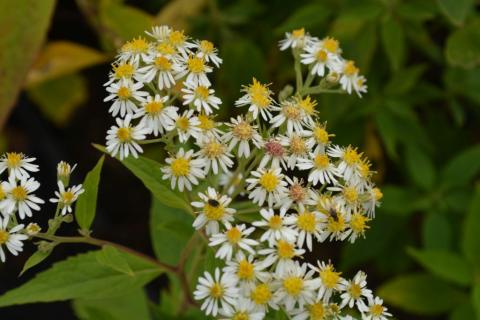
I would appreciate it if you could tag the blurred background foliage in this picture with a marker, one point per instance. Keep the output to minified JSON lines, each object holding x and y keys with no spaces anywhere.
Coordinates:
{"x":419,"y":123}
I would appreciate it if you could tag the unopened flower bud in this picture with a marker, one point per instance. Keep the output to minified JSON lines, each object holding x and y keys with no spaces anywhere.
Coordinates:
{"x":33,"y":229}
{"x":64,"y":171}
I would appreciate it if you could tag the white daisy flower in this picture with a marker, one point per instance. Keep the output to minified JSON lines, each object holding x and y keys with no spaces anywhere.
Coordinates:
{"x":156,"y":116}
{"x":123,"y":70}
{"x":202,"y":97}
{"x":354,"y":291}
{"x":308,"y":224}
{"x":183,"y":169}
{"x":134,"y":50}
{"x":195,"y":70}
{"x":276,"y":227}
{"x":258,"y":98}
{"x":267,"y":185}
{"x":161,"y":66}
{"x":17,"y":164}
{"x":317,"y":310}
{"x":322,"y":170}
{"x":349,"y":76}
{"x":10,"y":238}
{"x":214,"y":209}
{"x":233,"y":238}
{"x":180,"y":42}
{"x":296,"y":287}
{"x":125,"y":95}
{"x":335,"y":219}
{"x":281,"y":255}
{"x":350,"y":160}
{"x":298,"y":194}
{"x":186,"y":124}
{"x":297,"y":39}
{"x":290,"y":112}
{"x":218,"y":291}
{"x":275,"y":154}
{"x":330,"y":280}
{"x":66,"y":197}
{"x":19,"y":196}
{"x":214,"y":154}
{"x":208,"y":128}
{"x":243,"y":309}
{"x":242,"y":133}
{"x":349,"y":197}
{"x":123,"y":138}
{"x":375,"y":310}
{"x":160,"y":33}
{"x":297,"y":146}
{"x":321,"y":55}
{"x":359,"y":85}
{"x":374,"y":195}
{"x":246,"y":271}
{"x":207,"y":50}
{"x":261,"y":295}
{"x":318,"y":135}
{"x":357,"y":226}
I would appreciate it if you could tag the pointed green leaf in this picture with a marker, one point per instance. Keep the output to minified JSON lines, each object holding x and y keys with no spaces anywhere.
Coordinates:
{"x":420,"y":167}
{"x":110,"y":256}
{"x":81,"y":276}
{"x":393,"y":39}
{"x":87,"y":202}
{"x":462,"y":168}
{"x":37,"y":257}
{"x":471,"y":231}
{"x":476,"y":299}
{"x":456,"y":10}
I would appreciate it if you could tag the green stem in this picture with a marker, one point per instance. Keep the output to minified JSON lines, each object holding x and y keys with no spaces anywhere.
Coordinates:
{"x":151,"y":141}
{"x":298,"y":70}
{"x":319,"y":89}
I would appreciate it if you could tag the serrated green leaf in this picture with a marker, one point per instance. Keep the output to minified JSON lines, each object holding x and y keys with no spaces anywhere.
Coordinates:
{"x":393,"y":39}
{"x":471,"y":231}
{"x":421,"y":294}
{"x":111,"y":257}
{"x":455,"y":10}
{"x":463,"y":46}
{"x":460,"y":170}
{"x":132,"y":304}
{"x":37,"y":257}
{"x":420,"y":167}
{"x":81,"y":277}
{"x":447,"y":265}
{"x":87,"y":203}
{"x":170,"y":230}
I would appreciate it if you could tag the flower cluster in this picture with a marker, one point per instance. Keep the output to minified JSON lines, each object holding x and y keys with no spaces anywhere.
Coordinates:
{"x":18,"y":200}
{"x":270,"y":182}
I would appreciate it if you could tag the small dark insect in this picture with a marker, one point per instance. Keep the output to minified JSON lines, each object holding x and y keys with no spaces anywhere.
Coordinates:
{"x":333,"y":213}
{"x":214,"y":203}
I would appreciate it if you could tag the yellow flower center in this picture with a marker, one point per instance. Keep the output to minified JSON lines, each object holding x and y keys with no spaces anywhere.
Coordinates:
{"x":213,"y":149}
{"x":261,"y":294}
{"x":180,"y":167}
{"x":165,"y":48}
{"x":360,"y":82}
{"x":297,"y":192}
{"x":377,"y":193}
{"x":364,"y":168}
{"x":275,"y":222}
{"x":358,"y":223}
{"x":202,"y":92}
{"x":354,"y":290}
{"x":243,"y":130}
{"x":285,"y":250}
{"x":330,"y":44}
{"x":297,"y":145}
{"x":196,"y":65}
{"x":4,"y":235}
{"x":245,"y":270}
{"x":330,"y":277}
{"x":124,"y":134}
{"x":259,"y":94}
{"x":321,"y":161}
{"x":124,"y":93}
{"x":233,"y":235}
{"x":216,"y":291}
{"x":14,"y":159}
{"x":293,"y":285}
{"x":306,"y":221}
{"x":269,"y":181}
{"x":350,"y":69}
{"x":336,"y":224}
{"x":351,"y":156}
{"x":206,"y":123}
{"x":298,"y":33}
{"x":308,"y":105}
{"x":124,"y":70}
{"x":183,"y":123}
{"x":214,"y":212}
{"x":321,"y":55}
{"x":240,"y":316}
{"x":321,"y":135}
{"x":292,"y":112}
{"x":350,"y":194}
{"x":317,"y":311}
{"x":68,"y":197}
{"x":154,"y":107}
{"x":176,"y":38}
{"x":376,"y":310}
{"x":19,"y":193}
{"x":206,"y":46}
{"x":139,"y":45}
{"x":163,"y":64}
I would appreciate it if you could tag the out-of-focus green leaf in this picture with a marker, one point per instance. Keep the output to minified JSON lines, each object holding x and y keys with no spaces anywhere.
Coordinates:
{"x":464,"y":82}
{"x":393,"y":39}
{"x":471,"y":231}
{"x":132,"y":304}
{"x":170,"y":230}
{"x":59,"y":98}
{"x":399,"y":200}
{"x":463,"y":46}
{"x":462,"y":168}
{"x":307,"y":17}
{"x":404,"y":80}
{"x":462,"y":312}
{"x":351,"y":20}
{"x":23,"y":25}
{"x":476,"y":299}
{"x":176,"y":13}
{"x":420,"y":167}
{"x":126,"y":21}
{"x":417,"y":10}
{"x":422,"y":40}
{"x":111,"y":257}
{"x":456,"y":10}
{"x":436,"y":232}
{"x":445,"y":264}
{"x":81,"y":277}
{"x":421,"y":294}
{"x":86,"y":207}
{"x":148,"y":171}
{"x":61,"y":58}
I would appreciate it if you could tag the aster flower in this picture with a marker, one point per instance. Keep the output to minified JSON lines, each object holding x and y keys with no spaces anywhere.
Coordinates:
{"x":10,"y":238}
{"x":243,"y":309}
{"x":246,"y":271}
{"x":298,"y":195}
{"x":261,"y":295}
{"x":123,"y":70}
{"x":19,"y":196}
{"x":354,"y":291}
{"x":202,"y":97}
{"x":322,"y":170}
{"x":349,"y":76}
{"x":123,"y":139}
{"x":163,"y":67}
{"x":318,"y":135}
{"x":214,"y":155}
{"x":134,"y":50}
{"x":186,"y":125}
{"x":330,"y":280}
{"x":160,"y":33}
{"x":276,"y":227}
{"x":321,"y":55}
{"x":267,"y":185}
{"x":233,"y":238}
{"x":155,"y":116}
{"x":376,"y":310}
{"x":213,"y":210}
{"x":207,"y":50}
{"x":218,"y":291}
{"x":125,"y":95}
{"x":242,"y":133}
{"x":66,"y":197}
{"x":183,"y":169}
{"x":308,"y":224}
{"x":275,"y":154}
{"x":17,"y":164}
{"x":297,"y":39}
{"x":281,"y":255}
{"x":297,"y":146}
{"x":258,"y":99}
{"x":195,"y":70}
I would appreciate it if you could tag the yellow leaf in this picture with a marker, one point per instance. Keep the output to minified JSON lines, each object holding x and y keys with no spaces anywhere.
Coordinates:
{"x":60,"y":58}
